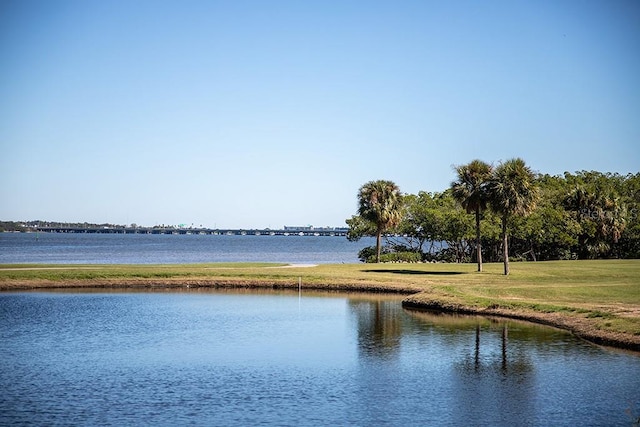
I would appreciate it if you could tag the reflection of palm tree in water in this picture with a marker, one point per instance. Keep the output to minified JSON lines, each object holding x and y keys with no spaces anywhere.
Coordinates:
{"x":488,"y":349}
{"x":477,"y":353}
{"x":379,"y":327}
{"x":519,"y":365}
{"x":494,"y":373}
{"x":504,"y":348}
{"x":476,"y":358}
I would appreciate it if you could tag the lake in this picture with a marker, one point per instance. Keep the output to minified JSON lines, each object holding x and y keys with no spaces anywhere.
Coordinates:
{"x":71,"y":248}
{"x":203,"y":357}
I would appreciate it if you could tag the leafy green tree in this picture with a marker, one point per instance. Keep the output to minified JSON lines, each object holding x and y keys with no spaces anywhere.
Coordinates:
{"x":470,"y":190}
{"x":437,"y":221}
{"x":585,"y":214}
{"x":600,"y":211}
{"x":419,"y":224}
{"x":455,"y":227}
{"x":380,"y":202}
{"x":550,"y":231}
{"x":629,"y":244}
{"x":512,"y":191}
{"x":491,"y":237}
{"x":359,"y":227}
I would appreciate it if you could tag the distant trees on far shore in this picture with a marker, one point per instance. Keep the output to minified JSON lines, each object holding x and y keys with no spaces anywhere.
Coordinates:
{"x":26,"y":226}
{"x":489,"y":212}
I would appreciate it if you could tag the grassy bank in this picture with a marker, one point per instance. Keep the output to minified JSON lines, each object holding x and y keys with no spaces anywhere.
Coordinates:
{"x":598,"y":300}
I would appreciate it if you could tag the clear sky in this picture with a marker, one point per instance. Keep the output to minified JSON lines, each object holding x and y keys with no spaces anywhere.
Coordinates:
{"x":238,"y":114}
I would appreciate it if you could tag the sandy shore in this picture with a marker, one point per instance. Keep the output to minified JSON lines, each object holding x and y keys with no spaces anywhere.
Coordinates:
{"x":416,"y":299}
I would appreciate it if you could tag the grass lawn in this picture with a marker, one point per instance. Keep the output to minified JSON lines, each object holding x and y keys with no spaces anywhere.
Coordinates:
{"x":592,"y":298}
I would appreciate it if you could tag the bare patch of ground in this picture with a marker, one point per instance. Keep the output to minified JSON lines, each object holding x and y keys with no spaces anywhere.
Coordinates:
{"x":295,"y":266}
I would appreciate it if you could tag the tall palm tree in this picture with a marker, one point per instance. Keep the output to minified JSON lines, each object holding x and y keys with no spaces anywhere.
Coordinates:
{"x":512,"y":191}
{"x":381,"y":203}
{"x":470,"y":190}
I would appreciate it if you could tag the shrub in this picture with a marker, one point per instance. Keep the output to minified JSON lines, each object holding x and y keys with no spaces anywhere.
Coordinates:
{"x":366,"y":253}
{"x":397,"y":257}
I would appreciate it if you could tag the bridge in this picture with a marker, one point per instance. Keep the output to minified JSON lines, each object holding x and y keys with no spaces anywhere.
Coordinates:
{"x":287,"y":231}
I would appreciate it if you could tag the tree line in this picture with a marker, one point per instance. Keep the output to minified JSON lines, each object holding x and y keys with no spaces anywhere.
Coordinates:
{"x":502,"y":213}
{"x":27,"y":226}
{"x":30,"y":226}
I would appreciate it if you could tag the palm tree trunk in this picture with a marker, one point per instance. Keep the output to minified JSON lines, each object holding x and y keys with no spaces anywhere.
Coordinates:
{"x":378,"y":237}
{"x":505,"y":245}
{"x":478,"y":243}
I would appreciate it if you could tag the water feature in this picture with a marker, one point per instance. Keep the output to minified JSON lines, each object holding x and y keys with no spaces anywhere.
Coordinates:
{"x":205,"y":357}
{"x":56,"y":248}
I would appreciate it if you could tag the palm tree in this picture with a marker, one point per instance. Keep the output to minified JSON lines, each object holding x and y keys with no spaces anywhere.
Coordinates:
{"x":602,"y":217}
{"x":381,"y":203}
{"x":512,"y":191}
{"x":470,"y":190}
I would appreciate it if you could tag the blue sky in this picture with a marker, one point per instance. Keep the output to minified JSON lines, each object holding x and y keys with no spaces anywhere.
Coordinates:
{"x":246,"y":114}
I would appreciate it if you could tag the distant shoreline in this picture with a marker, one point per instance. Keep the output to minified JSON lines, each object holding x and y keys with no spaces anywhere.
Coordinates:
{"x":66,"y":228}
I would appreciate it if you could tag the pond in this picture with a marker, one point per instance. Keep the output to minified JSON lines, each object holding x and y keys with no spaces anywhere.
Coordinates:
{"x":203,"y":357}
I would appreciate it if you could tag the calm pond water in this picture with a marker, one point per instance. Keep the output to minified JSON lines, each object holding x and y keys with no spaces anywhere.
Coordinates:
{"x":54,"y":248}
{"x":200,"y":357}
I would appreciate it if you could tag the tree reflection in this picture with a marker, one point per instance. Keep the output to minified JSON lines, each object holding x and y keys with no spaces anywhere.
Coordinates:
{"x":508,"y":358}
{"x":491,"y":371}
{"x":379,"y":326}
{"x":491,"y":346}
{"x":476,"y":357}
{"x":504,"y":347}
{"x":477,"y":352}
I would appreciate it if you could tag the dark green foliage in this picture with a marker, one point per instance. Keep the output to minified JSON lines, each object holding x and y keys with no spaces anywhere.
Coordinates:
{"x":583,"y":215}
{"x":12,"y":226}
{"x":359,"y":227}
{"x":388,"y":254}
{"x":601,"y":212}
{"x":367,"y":253}
{"x":401,"y":257}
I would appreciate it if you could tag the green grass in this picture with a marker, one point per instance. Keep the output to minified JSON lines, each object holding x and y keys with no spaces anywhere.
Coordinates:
{"x":604,"y":292}
{"x":61,"y":273}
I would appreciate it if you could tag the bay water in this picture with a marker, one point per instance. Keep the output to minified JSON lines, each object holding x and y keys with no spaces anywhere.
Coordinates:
{"x":80,"y":248}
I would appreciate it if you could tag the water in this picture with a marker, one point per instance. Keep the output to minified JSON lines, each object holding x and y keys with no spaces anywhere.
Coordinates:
{"x":201,"y":357}
{"x":54,"y":248}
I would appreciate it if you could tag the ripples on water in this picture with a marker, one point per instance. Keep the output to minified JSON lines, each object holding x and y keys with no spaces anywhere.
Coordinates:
{"x":204,"y":358}
{"x":171,"y":249}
